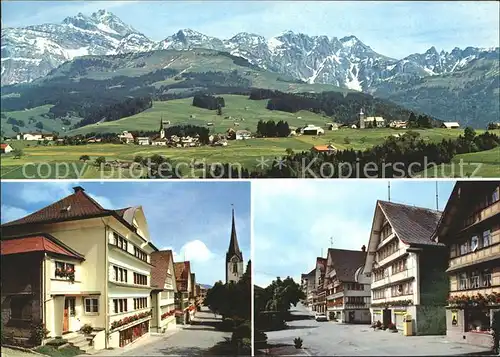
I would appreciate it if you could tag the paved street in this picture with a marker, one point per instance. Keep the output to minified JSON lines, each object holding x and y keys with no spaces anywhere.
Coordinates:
{"x":337,"y":339}
{"x":190,"y":340}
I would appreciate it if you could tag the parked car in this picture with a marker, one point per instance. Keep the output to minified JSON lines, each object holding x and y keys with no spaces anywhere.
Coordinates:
{"x":321,"y":317}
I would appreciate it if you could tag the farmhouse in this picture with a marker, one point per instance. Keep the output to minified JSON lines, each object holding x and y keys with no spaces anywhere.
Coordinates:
{"x":243,"y":134}
{"x":5,"y":148}
{"x":333,"y":126}
{"x":78,"y":264}
{"x":407,"y":268}
{"x":470,"y":229}
{"x":324,"y":148}
{"x":450,"y":125}
{"x":398,"y":124}
{"x":126,"y":137}
{"x":347,"y":292}
{"x":311,"y":129}
{"x":143,"y":140}
{"x":30,"y":136}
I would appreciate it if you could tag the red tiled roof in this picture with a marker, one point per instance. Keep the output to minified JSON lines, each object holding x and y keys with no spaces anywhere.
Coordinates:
{"x":75,"y":206}
{"x":37,"y":243}
{"x":182,"y":272}
{"x":3,"y":146}
{"x":324,"y":148}
{"x":161,"y":261}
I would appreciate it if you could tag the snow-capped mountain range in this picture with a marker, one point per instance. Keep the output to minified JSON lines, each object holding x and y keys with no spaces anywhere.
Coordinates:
{"x":31,"y":52}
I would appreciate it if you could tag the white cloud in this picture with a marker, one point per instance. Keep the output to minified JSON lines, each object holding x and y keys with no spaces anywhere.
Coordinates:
{"x":196,"y":251}
{"x":10,"y":213}
{"x":104,"y":201}
{"x":45,"y":191}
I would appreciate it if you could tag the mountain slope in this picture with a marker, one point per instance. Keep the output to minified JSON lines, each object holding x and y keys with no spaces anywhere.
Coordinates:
{"x":32,"y":52}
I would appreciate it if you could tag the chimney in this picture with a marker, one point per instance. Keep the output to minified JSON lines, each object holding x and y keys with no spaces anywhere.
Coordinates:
{"x":363,"y":248}
{"x":78,"y":189}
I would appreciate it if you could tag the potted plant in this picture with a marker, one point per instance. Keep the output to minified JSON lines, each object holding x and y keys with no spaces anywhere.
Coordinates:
{"x":297,"y":342}
{"x":392,"y":327}
{"x":378,"y":325}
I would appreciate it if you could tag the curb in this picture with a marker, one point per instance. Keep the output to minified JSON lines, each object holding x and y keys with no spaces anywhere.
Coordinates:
{"x":23,"y":349}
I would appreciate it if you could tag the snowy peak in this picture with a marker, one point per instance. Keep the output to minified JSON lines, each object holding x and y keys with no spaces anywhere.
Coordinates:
{"x":187,"y":39}
{"x":111,"y":22}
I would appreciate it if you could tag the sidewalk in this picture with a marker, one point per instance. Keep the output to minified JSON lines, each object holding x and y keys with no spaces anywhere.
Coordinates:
{"x":153,"y":337}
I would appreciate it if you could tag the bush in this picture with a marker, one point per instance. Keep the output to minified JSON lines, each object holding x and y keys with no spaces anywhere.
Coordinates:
{"x":298,"y":342}
{"x":84,"y":158}
{"x":38,"y":333}
{"x":100,"y":160}
{"x":260,"y":339}
{"x":87,"y":329}
{"x":495,"y":326}
{"x":242,"y":331}
{"x":246,"y":347}
{"x":227,"y":324}
{"x":347,"y":140}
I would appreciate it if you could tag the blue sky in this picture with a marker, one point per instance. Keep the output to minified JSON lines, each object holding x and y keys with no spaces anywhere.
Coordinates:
{"x":294,"y":220}
{"x":192,"y":218}
{"x":392,"y":28}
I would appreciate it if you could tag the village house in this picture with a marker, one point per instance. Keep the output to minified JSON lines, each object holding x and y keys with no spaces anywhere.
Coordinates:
{"x":243,"y":134}
{"x":450,"y":125}
{"x":143,"y":140}
{"x":347,"y":298}
{"x":78,"y":264}
{"x":333,"y":126}
{"x":182,"y":272}
{"x":398,"y":124}
{"x":308,"y":287}
{"x":126,"y":137}
{"x":30,"y":136}
{"x":159,"y":142}
{"x":319,"y":296}
{"x":324,"y":148}
{"x":407,"y":268}
{"x":6,"y":148}
{"x":164,"y":290}
{"x":311,"y":129}
{"x":370,"y":122}
{"x":470,"y":229}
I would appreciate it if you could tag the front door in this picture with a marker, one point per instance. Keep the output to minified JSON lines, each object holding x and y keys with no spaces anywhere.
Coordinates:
{"x":69,"y":310}
{"x":386,"y":317}
{"x":66,"y":316}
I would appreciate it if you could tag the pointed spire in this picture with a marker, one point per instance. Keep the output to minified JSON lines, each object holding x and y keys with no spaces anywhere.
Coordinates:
{"x":161,"y":123}
{"x":234,"y":248}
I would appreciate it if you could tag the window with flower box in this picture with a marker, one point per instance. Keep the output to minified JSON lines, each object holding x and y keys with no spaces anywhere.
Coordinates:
{"x":486,"y":238}
{"x":474,"y":280}
{"x":65,"y":270}
{"x":140,"y":303}
{"x":486,"y":278}
{"x":120,"y":305}
{"x":140,"y":279}
{"x":462,"y":281}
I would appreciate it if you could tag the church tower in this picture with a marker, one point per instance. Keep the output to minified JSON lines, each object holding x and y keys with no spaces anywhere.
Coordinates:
{"x":162,"y":131}
{"x":234,"y":257}
{"x":361,"y":119}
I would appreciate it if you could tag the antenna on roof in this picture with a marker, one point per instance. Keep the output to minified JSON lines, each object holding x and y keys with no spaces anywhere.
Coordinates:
{"x":389,"y":190}
{"x":321,"y":252}
{"x":437,"y":197}
{"x":331,"y":242}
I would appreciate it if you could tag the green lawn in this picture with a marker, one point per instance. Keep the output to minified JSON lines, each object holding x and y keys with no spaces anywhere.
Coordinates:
{"x":49,"y":125}
{"x":246,"y":153}
{"x":475,"y":165}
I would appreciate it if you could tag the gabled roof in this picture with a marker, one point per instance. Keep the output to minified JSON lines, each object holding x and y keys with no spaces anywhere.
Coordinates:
{"x":182,"y":272}
{"x":462,"y":192}
{"x":412,"y":225}
{"x":346,"y":263}
{"x":234,"y":248}
{"x":3,"y":146}
{"x":41,"y":242}
{"x":161,"y":261}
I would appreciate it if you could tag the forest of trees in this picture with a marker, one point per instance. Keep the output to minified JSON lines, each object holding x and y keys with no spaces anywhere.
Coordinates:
{"x":208,"y":101}
{"x":270,"y":129}
{"x":115,"y":111}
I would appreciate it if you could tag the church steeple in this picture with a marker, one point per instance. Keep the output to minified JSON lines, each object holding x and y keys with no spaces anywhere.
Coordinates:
{"x":234,"y":256}
{"x":162,"y":131}
{"x":234,"y":248}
